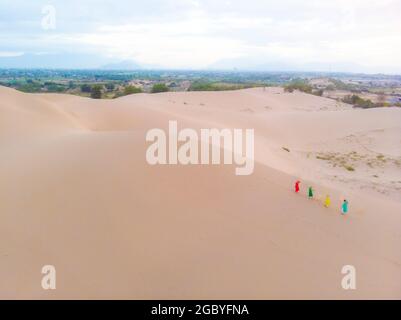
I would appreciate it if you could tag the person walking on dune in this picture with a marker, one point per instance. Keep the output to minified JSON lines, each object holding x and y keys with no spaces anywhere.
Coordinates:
{"x":310,"y":193}
{"x":297,"y":186}
{"x":344,"y":207}
{"x":327,"y":201}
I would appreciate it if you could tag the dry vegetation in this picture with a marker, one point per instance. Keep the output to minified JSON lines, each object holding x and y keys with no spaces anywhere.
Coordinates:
{"x":350,"y":160}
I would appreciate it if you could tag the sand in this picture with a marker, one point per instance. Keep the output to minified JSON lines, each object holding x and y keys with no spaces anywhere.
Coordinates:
{"x":76,"y":192}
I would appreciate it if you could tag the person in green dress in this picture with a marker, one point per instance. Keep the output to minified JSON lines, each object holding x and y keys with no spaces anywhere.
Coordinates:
{"x":310,"y":192}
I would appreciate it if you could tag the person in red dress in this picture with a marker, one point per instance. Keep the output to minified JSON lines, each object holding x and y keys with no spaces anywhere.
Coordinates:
{"x":297,"y":186}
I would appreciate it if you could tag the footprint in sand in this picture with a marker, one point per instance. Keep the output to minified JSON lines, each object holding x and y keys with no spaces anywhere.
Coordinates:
{"x":248,"y":110}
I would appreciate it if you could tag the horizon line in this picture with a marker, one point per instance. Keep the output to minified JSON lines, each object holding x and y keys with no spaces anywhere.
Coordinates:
{"x":235,"y":70}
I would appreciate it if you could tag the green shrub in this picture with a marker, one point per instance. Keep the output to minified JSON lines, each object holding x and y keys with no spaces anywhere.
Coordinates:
{"x":300,"y":85}
{"x":340,"y":85}
{"x":131,"y":90}
{"x":54,"y":87}
{"x":202,"y":85}
{"x":159,"y":87}
{"x":110,"y":86}
{"x":359,"y":102}
{"x":318,"y":92}
{"x":349,"y":168}
{"x":96,"y":91}
{"x":30,"y":86}
{"x":86,"y":88}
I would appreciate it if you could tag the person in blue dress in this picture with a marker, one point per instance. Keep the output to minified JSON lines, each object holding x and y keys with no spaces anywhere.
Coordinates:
{"x":344,"y":207}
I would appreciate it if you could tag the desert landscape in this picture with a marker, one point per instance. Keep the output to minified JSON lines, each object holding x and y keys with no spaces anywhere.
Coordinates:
{"x":76,"y":192}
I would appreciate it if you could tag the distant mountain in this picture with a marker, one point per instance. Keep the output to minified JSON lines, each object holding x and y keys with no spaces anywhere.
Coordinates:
{"x":122,"y":65}
{"x":258,"y":64}
{"x":56,"y":61}
{"x":249,"y":64}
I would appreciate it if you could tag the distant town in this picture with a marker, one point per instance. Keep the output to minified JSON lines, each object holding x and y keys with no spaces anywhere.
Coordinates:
{"x":360,"y":90}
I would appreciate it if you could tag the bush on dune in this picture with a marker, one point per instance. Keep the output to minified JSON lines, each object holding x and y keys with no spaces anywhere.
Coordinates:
{"x":110,"y":86}
{"x":218,"y":86}
{"x":159,"y":87}
{"x":318,"y":92}
{"x":131,"y":90}
{"x":96,"y":91}
{"x":86,"y":88}
{"x":300,"y":85}
{"x":359,"y":102}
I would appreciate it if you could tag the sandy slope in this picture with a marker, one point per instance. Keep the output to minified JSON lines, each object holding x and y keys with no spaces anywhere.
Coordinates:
{"x":76,"y":192}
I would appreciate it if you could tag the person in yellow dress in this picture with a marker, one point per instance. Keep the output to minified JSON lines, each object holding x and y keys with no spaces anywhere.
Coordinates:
{"x":327,"y":201}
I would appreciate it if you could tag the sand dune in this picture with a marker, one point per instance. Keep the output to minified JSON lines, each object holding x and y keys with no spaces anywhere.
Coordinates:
{"x":26,"y":116}
{"x":76,"y":192}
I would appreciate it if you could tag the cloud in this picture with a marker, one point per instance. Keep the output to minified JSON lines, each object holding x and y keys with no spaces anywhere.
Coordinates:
{"x":4,"y":54}
{"x":197,"y":33}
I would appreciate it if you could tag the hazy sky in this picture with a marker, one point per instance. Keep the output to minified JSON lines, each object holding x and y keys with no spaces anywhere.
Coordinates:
{"x":362,"y":35}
